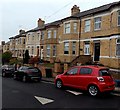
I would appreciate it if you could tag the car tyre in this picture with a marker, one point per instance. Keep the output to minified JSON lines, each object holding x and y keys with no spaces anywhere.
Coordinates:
{"x":24,"y":79}
{"x":59,"y":84}
{"x":93,"y":90}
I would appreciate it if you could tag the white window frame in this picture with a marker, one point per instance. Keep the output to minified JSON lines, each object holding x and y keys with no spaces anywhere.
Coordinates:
{"x":67,"y":28}
{"x":75,"y":27}
{"x":118,"y":18}
{"x":87,"y":48}
{"x":118,"y":43}
{"x":55,"y":34}
{"x":97,"y":23}
{"x":48,"y":50}
{"x":49,"y":34}
{"x":66,"y":48}
{"x":87,"y":25}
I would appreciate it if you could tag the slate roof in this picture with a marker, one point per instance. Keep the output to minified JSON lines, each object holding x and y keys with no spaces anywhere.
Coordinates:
{"x":78,"y":16}
{"x":98,"y":9}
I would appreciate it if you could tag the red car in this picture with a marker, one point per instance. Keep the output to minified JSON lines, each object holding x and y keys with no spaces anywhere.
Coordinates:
{"x":94,"y":79}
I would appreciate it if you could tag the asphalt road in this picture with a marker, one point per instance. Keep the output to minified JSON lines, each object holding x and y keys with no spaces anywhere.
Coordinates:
{"x":16,"y":94}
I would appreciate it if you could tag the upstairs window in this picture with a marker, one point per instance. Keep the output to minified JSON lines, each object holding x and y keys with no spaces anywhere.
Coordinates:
{"x":42,"y":35}
{"x":48,"y":50}
{"x":97,"y":23}
{"x":38,"y":36}
{"x":118,"y":47}
{"x":119,"y":18}
{"x":75,"y":27}
{"x":32,"y":37}
{"x":87,"y":25}
{"x":55,"y":33}
{"x":67,"y":28}
{"x":49,"y":34}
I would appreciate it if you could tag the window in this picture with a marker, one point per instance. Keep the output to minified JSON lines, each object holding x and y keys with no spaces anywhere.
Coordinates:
{"x":118,"y":47}
{"x":66,"y":47}
{"x":119,"y":18}
{"x":23,"y":41}
{"x":49,"y":34}
{"x":28,"y":36}
{"x":32,"y":37}
{"x":48,"y":50}
{"x":55,"y":33}
{"x":87,"y":25}
{"x":85,"y":70}
{"x":72,"y":71}
{"x":67,"y":28}
{"x":38,"y":36}
{"x":73,"y":47}
{"x":104,"y":73}
{"x":32,"y":50}
{"x":54,"y":50}
{"x":87,"y":48}
{"x":75,"y":27}
{"x":97,"y":23}
{"x":42,"y":35}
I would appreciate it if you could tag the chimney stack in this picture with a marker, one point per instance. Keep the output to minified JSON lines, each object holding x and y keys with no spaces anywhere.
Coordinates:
{"x":75,"y":9}
{"x":40,"y":22}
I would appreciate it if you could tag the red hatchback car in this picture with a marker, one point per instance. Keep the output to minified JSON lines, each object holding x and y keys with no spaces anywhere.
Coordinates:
{"x":94,"y":79}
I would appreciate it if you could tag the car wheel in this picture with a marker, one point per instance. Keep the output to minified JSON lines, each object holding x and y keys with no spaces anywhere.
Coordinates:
{"x":24,"y":78}
{"x":93,"y":90}
{"x":59,"y":84}
{"x":3,"y":74}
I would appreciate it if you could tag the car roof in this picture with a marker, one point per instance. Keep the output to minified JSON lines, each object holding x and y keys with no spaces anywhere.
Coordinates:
{"x":92,"y":66}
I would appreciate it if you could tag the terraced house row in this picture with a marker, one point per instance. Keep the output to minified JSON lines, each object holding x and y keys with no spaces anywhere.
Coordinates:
{"x":94,"y":32}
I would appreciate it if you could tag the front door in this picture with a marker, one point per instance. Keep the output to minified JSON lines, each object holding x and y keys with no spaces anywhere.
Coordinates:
{"x":96,"y":51}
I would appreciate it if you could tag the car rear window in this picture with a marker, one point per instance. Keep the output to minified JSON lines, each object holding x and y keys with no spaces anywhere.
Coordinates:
{"x":104,"y":72}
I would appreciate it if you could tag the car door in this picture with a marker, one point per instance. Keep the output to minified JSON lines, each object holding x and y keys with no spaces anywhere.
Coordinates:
{"x":85,"y":77}
{"x":69,"y":78}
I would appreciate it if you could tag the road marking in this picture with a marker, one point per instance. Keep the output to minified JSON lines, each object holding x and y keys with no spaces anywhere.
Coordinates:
{"x":115,"y":94}
{"x":47,"y":82}
{"x":74,"y":92}
{"x":43,"y":100}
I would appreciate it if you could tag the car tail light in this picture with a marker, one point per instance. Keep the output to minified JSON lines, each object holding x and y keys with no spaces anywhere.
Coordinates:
{"x":101,"y":79}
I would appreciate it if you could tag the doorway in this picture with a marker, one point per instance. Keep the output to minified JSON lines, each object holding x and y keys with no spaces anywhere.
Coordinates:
{"x":97,"y":51}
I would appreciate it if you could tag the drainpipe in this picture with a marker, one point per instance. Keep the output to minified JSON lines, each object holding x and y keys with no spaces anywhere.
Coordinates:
{"x":79,"y":36}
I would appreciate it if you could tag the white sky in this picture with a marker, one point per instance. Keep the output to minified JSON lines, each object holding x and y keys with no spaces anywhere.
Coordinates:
{"x":23,"y":14}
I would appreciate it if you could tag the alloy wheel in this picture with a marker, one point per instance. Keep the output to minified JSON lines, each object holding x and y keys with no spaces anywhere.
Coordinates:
{"x":59,"y":84}
{"x":93,"y":90}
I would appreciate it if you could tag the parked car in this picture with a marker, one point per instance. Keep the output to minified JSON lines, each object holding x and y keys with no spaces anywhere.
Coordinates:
{"x":26,"y":73}
{"x":7,"y":70}
{"x":94,"y":79}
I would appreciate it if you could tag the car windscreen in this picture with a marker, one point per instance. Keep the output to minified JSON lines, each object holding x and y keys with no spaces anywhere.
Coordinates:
{"x":104,"y":72}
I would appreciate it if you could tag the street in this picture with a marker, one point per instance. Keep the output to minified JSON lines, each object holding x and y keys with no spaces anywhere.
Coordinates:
{"x":16,"y":94}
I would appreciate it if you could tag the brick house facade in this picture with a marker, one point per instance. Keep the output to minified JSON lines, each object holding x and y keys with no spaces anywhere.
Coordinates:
{"x":94,"y":32}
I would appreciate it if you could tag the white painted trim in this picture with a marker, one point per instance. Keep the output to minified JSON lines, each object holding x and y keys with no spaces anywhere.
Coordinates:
{"x":92,"y":39}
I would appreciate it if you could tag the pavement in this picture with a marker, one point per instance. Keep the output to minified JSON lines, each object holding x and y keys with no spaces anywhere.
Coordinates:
{"x":117,"y":89}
